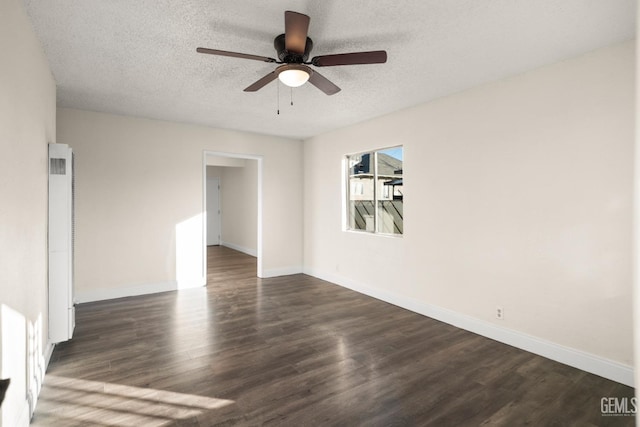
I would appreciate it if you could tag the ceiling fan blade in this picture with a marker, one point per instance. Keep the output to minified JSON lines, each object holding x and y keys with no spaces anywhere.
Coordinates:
{"x":322,"y":83}
{"x":373,"y":57}
{"x":262,"y":82}
{"x":234,"y":54}
{"x":296,"y":27}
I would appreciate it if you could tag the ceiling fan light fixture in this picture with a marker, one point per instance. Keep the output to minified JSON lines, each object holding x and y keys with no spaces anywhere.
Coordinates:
{"x":294,"y":75}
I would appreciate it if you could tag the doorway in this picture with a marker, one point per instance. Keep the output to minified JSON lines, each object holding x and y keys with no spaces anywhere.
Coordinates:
{"x":214,"y":227}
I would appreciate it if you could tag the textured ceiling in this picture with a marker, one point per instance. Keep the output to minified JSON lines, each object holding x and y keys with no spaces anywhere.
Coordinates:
{"x":139,"y":57}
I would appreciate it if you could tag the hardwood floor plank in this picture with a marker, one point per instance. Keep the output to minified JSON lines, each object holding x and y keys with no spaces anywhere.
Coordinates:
{"x":299,"y":351}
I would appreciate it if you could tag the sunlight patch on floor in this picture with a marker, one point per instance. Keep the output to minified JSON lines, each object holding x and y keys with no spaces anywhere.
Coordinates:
{"x":105,"y":404}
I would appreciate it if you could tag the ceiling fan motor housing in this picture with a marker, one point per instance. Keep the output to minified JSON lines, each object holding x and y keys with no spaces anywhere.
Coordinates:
{"x":291,"y":57}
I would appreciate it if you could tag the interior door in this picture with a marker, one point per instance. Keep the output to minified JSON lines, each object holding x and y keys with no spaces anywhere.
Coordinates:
{"x":213,"y":211}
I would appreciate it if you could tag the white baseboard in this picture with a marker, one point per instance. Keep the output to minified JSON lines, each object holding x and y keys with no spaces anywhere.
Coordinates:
{"x":34,"y":394}
{"x":31,"y":401}
{"x":48,"y":352}
{"x":239,"y":248}
{"x":142,"y":289}
{"x":569,"y":356}
{"x":276,"y":272}
{"x":25,"y":417}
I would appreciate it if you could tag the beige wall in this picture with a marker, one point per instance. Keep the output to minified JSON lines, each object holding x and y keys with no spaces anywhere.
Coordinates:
{"x":239,"y":203}
{"x":27,"y":124}
{"x":139,"y":201}
{"x":220,"y":161}
{"x":214,"y":171}
{"x":213,"y":218}
{"x":518,"y":194}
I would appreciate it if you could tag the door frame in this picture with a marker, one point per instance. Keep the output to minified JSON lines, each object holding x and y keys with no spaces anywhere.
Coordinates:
{"x":259,"y":159}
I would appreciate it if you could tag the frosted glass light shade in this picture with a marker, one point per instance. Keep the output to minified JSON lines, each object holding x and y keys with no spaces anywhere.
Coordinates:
{"x":293,"y":77}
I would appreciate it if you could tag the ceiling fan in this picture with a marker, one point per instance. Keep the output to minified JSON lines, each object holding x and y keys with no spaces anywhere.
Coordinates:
{"x":294,"y":47}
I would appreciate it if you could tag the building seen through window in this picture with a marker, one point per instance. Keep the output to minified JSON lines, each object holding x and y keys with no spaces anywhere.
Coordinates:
{"x":375,"y":195}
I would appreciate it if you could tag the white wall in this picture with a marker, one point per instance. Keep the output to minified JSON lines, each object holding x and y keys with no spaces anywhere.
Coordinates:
{"x":27,"y":124}
{"x":517,"y":194}
{"x":139,"y":201}
{"x":239,"y":194}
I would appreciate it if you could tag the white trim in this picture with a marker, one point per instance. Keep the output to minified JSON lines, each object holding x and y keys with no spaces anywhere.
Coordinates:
{"x":635,"y":250}
{"x":239,"y":248}
{"x":33,"y":395}
{"x":134,"y":290}
{"x":260,"y":267}
{"x":588,"y":362}
{"x":285,"y":271}
{"x":204,"y":215}
{"x":24,"y":418}
{"x":48,"y":352}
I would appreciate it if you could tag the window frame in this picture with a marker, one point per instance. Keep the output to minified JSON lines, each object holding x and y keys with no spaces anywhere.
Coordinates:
{"x":347,"y":187}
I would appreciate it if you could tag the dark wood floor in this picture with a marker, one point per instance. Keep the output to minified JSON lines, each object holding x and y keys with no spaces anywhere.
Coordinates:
{"x":298,"y":351}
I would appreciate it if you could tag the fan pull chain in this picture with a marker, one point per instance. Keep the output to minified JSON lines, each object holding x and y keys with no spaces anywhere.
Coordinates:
{"x":291,"y":97}
{"x":278,"y":106}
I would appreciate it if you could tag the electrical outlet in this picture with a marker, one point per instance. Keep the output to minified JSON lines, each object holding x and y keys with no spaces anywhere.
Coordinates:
{"x":499,"y":313}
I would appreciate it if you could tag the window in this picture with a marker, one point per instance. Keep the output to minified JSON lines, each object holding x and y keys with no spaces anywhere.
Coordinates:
{"x":375,"y":191}
{"x":357,"y":188}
